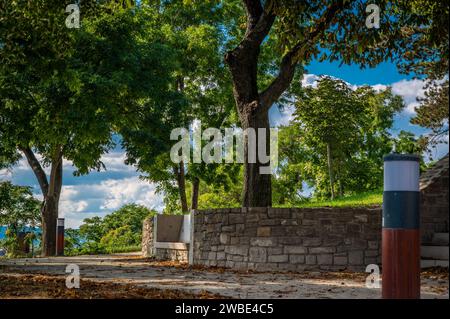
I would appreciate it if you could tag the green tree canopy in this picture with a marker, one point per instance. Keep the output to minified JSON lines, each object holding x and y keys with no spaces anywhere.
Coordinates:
{"x":18,"y":207}
{"x":337,"y":139}
{"x":64,"y":91}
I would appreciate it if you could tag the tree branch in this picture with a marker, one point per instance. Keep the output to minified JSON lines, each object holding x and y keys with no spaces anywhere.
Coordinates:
{"x":37,"y":169}
{"x":289,"y":62}
{"x":254,"y":10}
{"x":243,"y":59}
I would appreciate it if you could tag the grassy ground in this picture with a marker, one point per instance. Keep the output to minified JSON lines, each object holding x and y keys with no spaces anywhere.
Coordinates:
{"x":358,"y":200}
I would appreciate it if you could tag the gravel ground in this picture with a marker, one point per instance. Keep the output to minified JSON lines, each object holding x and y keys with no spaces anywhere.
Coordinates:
{"x":133,"y":272}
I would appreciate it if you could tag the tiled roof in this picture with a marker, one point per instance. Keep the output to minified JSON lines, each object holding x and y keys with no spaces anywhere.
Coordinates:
{"x":431,"y":174}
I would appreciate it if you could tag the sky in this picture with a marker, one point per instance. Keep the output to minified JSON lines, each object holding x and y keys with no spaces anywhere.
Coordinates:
{"x":100,"y":193}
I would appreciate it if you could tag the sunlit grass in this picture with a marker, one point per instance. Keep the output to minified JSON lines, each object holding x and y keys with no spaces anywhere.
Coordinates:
{"x":373,"y":198}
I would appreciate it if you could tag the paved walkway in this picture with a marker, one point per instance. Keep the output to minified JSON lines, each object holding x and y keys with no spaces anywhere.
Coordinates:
{"x":129,"y":268}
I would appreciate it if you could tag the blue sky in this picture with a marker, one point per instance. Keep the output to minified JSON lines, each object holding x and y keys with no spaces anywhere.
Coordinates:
{"x":100,"y":193}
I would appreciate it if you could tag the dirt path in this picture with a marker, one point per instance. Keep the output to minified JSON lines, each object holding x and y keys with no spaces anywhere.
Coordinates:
{"x":144,"y":273}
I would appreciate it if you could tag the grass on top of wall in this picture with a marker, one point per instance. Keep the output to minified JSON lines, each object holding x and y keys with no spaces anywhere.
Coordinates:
{"x":374,"y":198}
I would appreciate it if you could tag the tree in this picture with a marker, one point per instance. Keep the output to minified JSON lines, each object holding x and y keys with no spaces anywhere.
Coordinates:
{"x":63,"y":91}
{"x":327,"y":30}
{"x":19,"y":211}
{"x":131,"y":215}
{"x":92,"y":229}
{"x":428,"y":56}
{"x":336,"y":140}
{"x":433,"y":114}
{"x":121,"y":228}
{"x":408,"y":143}
{"x":200,"y":92}
{"x":18,"y":207}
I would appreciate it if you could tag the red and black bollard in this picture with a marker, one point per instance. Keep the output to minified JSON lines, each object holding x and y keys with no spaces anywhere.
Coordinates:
{"x":60,"y":237}
{"x":401,"y":228}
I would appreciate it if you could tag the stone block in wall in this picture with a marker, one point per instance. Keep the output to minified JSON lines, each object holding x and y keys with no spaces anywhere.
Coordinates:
{"x":267,"y":266}
{"x":312,"y":242}
{"x":373,"y":244}
{"x":289,"y":222}
{"x":371,"y":253}
{"x":295,"y":250}
{"x":290,"y":240}
{"x":278,"y":258}
{"x":283,"y":213}
{"x":240,"y":229}
{"x":311,"y":259}
{"x":297,"y":259}
{"x":270,"y":222}
{"x":340,"y":260}
{"x":251,"y":218}
{"x":332,"y":267}
{"x":224,"y":238}
{"x":256,"y":210}
{"x":234,"y":240}
{"x":310,"y":222}
{"x":237,"y":250}
{"x":263,"y":242}
{"x":356,"y":257}
{"x":321,"y":250}
{"x":263,"y":231}
{"x":371,"y":260}
{"x":275,"y":250}
{"x":212,"y":256}
{"x":325,"y":259}
{"x":332,"y":241}
{"x":228,"y":228}
{"x":362,"y":218}
{"x":287,"y":267}
{"x":359,"y":243}
{"x":244,"y":240}
{"x":257,"y":254}
{"x":236,"y":219}
{"x":306,"y":232}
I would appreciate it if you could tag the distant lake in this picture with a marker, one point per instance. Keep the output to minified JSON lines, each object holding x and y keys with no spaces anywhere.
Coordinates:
{"x":3,"y":231}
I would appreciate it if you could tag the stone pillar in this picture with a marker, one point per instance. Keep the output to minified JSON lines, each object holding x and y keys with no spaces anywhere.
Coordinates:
{"x":147,"y":238}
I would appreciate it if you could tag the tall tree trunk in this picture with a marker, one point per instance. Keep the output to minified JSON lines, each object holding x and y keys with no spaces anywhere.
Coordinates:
{"x":49,"y":214}
{"x":181,"y":181}
{"x":257,"y":186}
{"x":253,"y":105}
{"x":195,"y":190}
{"x":330,"y":170}
{"x":51,"y":191}
{"x":341,"y":188}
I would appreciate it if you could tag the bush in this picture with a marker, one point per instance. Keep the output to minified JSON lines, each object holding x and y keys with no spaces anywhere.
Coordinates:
{"x":122,"y":236}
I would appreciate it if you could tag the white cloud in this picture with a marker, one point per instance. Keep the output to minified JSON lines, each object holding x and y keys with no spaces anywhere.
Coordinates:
{"x":409,"y":90}
{"x":115,"y":162}
{"x":87,"y":200}
{"x":379,"y":87}
{"x":310,"y":80}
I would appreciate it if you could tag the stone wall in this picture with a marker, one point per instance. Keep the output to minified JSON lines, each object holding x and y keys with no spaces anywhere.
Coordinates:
{"x":287,"y":239}
{"x":147,"y":237}
{"x":434,"y":200}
